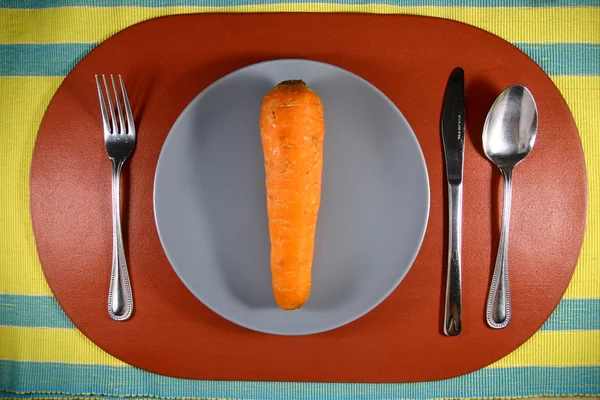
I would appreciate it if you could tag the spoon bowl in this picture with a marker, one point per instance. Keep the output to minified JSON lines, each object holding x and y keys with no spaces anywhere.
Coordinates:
{"x":508,"y":136}
{"x":510,"y":127}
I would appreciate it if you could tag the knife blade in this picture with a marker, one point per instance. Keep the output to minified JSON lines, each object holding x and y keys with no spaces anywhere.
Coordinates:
{"x":453,"y":138}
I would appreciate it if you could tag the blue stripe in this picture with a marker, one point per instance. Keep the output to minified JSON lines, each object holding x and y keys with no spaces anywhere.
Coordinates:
{"x":44,"y":311}
{"x":110,"y":382}
{"x":58,"y":59}
{"x":32,"y":311}
{"x":575,"y":314}
{"x":37,"y":4}
{"x":565,"y":58}
{"x":41,"y":59}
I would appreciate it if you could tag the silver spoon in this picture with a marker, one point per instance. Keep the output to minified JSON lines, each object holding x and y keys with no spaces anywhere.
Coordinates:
{"x":508,"y":136}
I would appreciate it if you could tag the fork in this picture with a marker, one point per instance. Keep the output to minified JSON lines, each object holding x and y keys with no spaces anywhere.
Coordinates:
{"x":119,"y":139}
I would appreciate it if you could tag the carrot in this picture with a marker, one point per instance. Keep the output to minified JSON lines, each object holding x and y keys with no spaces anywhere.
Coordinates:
{"x":292,"y":131}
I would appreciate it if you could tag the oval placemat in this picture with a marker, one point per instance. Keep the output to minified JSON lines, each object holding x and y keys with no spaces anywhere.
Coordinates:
{"x":166,"y":62}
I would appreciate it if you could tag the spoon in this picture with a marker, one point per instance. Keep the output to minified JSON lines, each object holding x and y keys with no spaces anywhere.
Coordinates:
{"x":508,"y":137}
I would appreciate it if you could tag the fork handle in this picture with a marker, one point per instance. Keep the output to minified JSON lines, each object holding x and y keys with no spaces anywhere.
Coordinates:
{"x":120,"y":297}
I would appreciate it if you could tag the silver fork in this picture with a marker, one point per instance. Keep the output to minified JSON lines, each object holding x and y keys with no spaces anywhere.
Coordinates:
{"x":119,"y":139}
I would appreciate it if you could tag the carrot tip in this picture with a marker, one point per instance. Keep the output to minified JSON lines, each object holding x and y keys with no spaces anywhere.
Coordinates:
{"x":291,"y":307}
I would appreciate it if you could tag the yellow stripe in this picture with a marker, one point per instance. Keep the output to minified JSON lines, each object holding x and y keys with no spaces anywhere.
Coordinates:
{"x":94,"y":24}
{"x":581,"y":93}
{"x":55,"y":345}
{"x":21,"y":114}
{"x":22,"y":106}
{"x":558,"y":348}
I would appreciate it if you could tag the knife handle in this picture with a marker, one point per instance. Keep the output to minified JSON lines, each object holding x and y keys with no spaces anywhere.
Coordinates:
{"x":453,"y":309}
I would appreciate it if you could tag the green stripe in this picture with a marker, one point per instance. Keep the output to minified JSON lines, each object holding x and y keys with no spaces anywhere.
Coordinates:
{"x":229,"y":3}
{"x":87,"y":381}
{"x":44,"y":311}
{"x":581,"y":59}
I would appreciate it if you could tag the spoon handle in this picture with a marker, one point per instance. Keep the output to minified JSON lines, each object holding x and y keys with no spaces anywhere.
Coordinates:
{"x":453,"y":308}
{"x":498,"y":311}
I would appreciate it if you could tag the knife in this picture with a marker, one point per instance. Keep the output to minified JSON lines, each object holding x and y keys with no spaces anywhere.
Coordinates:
{"x":453,"y":138}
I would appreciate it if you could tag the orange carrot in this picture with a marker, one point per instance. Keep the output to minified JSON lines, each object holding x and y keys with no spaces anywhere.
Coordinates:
{"x":292,"y":131}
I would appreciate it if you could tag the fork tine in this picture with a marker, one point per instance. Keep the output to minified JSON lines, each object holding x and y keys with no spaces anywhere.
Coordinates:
{"x":130,"y":122}
{"x":119,"y":110}
{"x":110,"y":106}
{"x":102,"y":107}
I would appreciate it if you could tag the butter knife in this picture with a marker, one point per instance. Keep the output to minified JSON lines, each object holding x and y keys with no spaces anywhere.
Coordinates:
{"x":453,"y":137}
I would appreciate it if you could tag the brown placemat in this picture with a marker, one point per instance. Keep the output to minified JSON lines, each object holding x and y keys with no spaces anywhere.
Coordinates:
{"x":168,"y":61}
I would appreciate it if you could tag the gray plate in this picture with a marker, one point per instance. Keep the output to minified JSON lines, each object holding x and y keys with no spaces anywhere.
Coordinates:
{"x":209,"y":199}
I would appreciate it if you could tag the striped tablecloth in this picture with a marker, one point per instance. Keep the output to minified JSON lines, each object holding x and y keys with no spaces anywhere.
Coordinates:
{"x":42,"y":355}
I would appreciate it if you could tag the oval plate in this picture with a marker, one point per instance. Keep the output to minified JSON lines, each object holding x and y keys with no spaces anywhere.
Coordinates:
{"x":210,"y":207}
